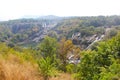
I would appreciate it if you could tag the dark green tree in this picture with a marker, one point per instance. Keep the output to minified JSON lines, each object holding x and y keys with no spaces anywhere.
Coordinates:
{"x":48,"y":47}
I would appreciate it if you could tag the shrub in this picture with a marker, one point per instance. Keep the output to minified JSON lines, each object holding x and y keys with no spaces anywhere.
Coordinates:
{"x":46,"y":68}
{"x":70,"y":68}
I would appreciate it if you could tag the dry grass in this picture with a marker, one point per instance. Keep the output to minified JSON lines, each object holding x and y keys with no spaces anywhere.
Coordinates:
{"x":15,"y":71}
{"x":63,"y":76}
{"x":12,"y":69}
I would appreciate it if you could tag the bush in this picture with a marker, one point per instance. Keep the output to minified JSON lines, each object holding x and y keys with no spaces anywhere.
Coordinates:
{"x":46,"y":68}
{"x":70,"y":68}
{"x":102,"y":64}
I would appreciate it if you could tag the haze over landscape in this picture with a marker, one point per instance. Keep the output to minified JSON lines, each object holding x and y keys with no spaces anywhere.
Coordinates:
{"x":59,"y":40}
{"x":14,"y":9}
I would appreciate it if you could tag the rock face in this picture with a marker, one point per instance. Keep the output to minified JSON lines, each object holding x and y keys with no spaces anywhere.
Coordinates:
{"x":44,"y":32}
{"x":89,"y":41}
{"x":25,"y":31}
{"x":86,"y":42}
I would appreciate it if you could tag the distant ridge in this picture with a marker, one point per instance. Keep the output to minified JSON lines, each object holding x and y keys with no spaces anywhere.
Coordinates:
{"x":49,"y":17}
{"x":41,"y":17}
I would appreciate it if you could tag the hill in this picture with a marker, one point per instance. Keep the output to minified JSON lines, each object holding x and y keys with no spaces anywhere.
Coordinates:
{"x":73,"y":48}
{"x":31,"y":31}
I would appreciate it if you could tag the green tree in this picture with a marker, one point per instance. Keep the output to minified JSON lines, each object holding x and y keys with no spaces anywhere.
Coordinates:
{"x":112,"y":73}
{"x":100,"y":64}
{"x":46,"y":68}
{"x":48,"y":47}
{"x":87,"y":69}
{"x":48,"y":61}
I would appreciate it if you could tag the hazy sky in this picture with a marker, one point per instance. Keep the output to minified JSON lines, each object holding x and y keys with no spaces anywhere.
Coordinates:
{"x":13,"y":9}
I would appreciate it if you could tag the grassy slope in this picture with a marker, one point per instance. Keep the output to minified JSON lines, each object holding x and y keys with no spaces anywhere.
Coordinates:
{"x":18,"y":65}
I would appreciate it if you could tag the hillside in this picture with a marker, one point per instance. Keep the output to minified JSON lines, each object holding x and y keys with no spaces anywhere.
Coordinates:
{"x":24,"y":31}
{"x":28,"y":32}
{"x":83,"y":31}
{"x":72,"y":48}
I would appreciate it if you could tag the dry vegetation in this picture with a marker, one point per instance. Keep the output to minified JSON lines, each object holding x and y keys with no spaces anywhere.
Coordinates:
{"x":63,"y":76}
{"x":12,"y":69}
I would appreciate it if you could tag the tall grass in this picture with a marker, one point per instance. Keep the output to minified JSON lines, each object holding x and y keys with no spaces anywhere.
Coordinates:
{"x":12,"y":69}
{"x":18,"y":64}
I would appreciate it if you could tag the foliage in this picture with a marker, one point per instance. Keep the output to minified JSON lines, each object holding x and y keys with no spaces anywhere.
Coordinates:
{"x":100,"y":64}
{"x":87,"y":69}
{"x":86,"y":25}
{"x":48,"y":47}
{"x":16,"y":64}
{"x":111,"y":33}
{"x":46,"y":68}
{"x":112,"y":73}
{"x":71,"y":68}
{"x":48,"y":61}
{"x":65,"y":46}
{"x":66,"y":49}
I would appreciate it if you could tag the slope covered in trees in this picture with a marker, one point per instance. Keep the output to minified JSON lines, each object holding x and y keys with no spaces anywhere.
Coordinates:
{"x":75,"y":24}
{"x":52,"y":60}
{"x":29,"y":31}
{"x":74,"y":48}
{"x":25,"y":31}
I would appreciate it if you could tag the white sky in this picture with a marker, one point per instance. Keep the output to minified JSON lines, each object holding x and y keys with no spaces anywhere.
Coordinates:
{"x":13,"y":9}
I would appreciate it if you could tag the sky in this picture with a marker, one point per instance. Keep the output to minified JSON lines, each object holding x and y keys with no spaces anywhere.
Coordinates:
{"x":14,"y":9}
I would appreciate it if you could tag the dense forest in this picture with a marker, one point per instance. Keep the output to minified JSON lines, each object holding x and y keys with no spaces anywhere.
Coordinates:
{"x":31,"y":31}
{"x":60,"y":48}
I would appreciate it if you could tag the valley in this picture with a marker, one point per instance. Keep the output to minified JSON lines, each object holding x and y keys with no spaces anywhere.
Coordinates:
{"x":81,"y":30}
{"x":60,"y":48}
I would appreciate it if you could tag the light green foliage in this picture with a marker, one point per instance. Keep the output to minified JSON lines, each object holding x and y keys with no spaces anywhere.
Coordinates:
{"x":46,"y":68}
{"x":22,"y":55}
{"x":102,"y":64}
{"x":112,"y":73}
{"x":87,"y":69}
{"x":48,"y":61}
{"x":3,"y":49}
{"x":71,"y":68}
{"x":48,"y":48}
